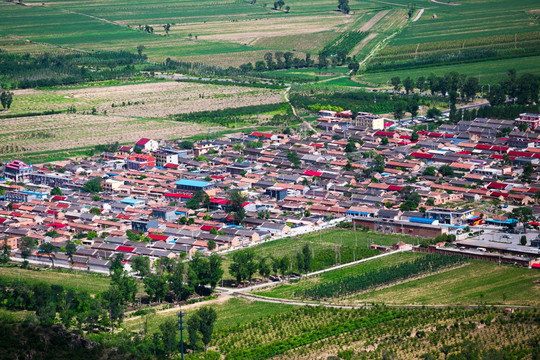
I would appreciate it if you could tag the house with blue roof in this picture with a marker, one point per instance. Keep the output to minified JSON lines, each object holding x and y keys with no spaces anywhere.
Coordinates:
{"x":184,"y":185}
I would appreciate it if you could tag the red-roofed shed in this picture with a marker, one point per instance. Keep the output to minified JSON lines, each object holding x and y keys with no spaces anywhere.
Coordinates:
{"x":312,"y":173}
{"x":125,"y":248}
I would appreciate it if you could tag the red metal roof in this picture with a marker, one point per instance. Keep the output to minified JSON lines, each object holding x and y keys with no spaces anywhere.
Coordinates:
{"x":483,"y":147}
{"x":421,"y":155}
{"x":181,"y":196}
{"x":52,"y":212}
{"x":16,"y":214}
{"x":57,"y":225}
{"x":316,"y":145}
{"x":125,"y":248}
{"x":384,"y":133}
{"x":120,"y":216}
{"x":497,"y":194}
{"x":142,"y":141}
{"x":65,"y":206}
{"x":494,"y":185}
{"x":394,"y":188}
{"x":535,"y":266}
{"x":158,"y":237}
{"x":59,"y":198}
{"x":218,"y":177}
{"x":407,"y":137}
{"x":219,"y":201}
{"x":209,"y":227}
{"x":464,"y":153}
{"x":312,"y":173}
{"x":520,"y":153}
{"x":500,"y":148}
{"x":171,"y":166}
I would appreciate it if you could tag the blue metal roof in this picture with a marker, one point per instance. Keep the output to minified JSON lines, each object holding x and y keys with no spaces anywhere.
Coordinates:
{"x":194,"y":183}
{"x":422,"y":220}
{"x":131,"y":201}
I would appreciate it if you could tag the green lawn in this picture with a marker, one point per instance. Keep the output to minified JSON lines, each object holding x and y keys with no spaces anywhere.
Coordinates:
{"x":490,"y":72}
{"x":91,"y":283}
{"x":289,"y":291}
{"x":471,"y":284}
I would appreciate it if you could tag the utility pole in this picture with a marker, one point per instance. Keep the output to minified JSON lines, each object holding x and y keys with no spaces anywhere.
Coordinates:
{"x":181,"y":327}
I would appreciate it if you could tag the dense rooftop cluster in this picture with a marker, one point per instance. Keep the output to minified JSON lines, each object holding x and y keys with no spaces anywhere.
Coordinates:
{"x":165,"y":199}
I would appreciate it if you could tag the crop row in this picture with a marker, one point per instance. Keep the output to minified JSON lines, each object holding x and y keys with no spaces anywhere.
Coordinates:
{"x":353,"y":284}
{"x":344,"y":44}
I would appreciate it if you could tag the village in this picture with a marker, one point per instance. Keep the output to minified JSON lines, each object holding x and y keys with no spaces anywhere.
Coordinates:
{"x":170,"y":199}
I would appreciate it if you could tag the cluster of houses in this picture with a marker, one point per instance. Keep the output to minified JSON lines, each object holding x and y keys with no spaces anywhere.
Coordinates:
{"x":142,"y":208}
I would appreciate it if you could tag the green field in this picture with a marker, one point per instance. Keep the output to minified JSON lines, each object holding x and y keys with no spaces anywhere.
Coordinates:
{"x":232,"y":312}
{"x":489,"y":72}
{"x":289,"y":291}
{"x":325,"y":242}
{"x":91,"y":283}
{"x":478,"y":282}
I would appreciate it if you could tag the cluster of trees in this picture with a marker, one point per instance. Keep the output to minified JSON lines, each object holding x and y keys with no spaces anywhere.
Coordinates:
{"x":245,"y":264}
{"x":25,"y":71}
{"x":278,"y":60}
{"x":229,"y":115}
{"x":352,"y":284}
{"x":6,"y":98}
{"x":343,"y":6}
{"x":339,"y":48}
{"x":410,"y":199}
{"x":522,"y":90}
{"x":503,"y":112}
{"x":279,"y":4}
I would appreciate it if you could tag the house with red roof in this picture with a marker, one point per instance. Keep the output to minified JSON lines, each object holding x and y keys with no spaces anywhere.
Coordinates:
{"x":147,"y":144}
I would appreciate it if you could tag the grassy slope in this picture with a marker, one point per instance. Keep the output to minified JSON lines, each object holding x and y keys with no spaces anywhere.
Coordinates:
{"x":478,"y":281}
{"x":88,"y":282}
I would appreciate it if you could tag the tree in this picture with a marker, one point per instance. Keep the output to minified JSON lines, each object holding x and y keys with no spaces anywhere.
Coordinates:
{"x":141,"y":264}
{"x":307,"y":258}
{"x":268,"y":58}
{"x":114,"y":302}
{"x":396,"y":81}
{"x":446,"y":170}
{"x":408,"y":84}
{"x":5,"y":256}
{"x":207,"y":318}
{"x":414,"y":136}
{"x":524,"y":215}
{"x":243,"y":265}
{"x":343,"y":6}
{"x":412,"y":106}
{"x":351,"y":147}
{"x":399,"y":109}
{"x":211,"y":244}
{"x":194,"y":335}
{"x":283,"y":265}
{"x":27,"y":247}
{"x":176,"y":282}
{"x":155,"y":286}
{"x":421,"y":83}
{"x":169,"y":330}
{"x":187,"y":145}
{"x":140,"y":49}
{"x":430,"y":171}
{"x":237,"y":199}
{"x":166,"y":27}
{"x":496,"y":96}
{"x":523,"y":240}
{"x":56,"y":191}
{"x":215,"y":271}
{"x":50,"y":250}
{"x":293,"y":157}
{"x":95,"y":211}
{"x":92,"y":186}
{"x":470,"y":88}
{"x":6,"y":98}
{"x":384,"y":140}
{"x":434,"y":113}
{"x":71,"y":249}
{"x":264,"y":268}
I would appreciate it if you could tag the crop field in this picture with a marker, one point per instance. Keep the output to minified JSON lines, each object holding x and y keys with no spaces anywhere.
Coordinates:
{"x":478,"y":282}
{"x":142,"y":107}
{"x":489,"y":72}
{"x":322,"y":333}
{"x":206,"y":31}
{"x":82,"y":281}
{"x":472,"y":31}
{"x":290,"y":291}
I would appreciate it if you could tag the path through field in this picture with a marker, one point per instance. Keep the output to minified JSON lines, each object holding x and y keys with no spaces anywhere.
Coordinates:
{"x":418,"y":16}
{"x":445,"y":3}
{"x":367,"y":26}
